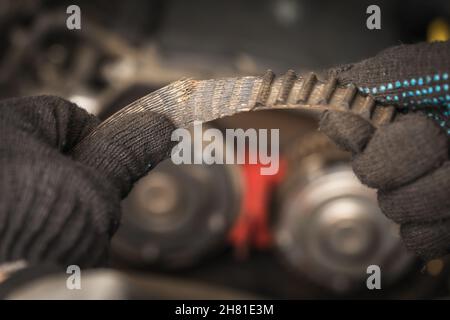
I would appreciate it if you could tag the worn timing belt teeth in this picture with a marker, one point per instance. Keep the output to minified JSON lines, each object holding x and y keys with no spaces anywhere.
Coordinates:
{"x":367,"y":109}
{"x":306,"y":89}
{"x":185,"y":101}
{"x":348,"y":97}
{"x":264,"y":90}
{"x":327,"y":91}
{"x":289,"y":91}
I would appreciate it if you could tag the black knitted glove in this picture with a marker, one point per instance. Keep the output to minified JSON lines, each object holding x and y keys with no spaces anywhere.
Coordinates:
{"x":64,"y":208}
{"x":408,"y":160}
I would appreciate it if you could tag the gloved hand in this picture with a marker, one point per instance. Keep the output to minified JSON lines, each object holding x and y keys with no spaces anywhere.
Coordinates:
{"x":408,"y":160}
{"x":59,"y":206}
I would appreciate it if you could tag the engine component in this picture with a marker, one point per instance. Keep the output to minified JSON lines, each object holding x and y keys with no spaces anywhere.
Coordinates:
{"x":178,"y":214}
{"x":329,"y":227}
{"x":186,"y":101}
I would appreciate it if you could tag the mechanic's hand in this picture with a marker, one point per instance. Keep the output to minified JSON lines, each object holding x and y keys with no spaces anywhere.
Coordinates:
{"x":61,"y":207}
{"x":408,"y":160}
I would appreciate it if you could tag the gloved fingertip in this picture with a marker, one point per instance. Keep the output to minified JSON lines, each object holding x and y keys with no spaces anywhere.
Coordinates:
{"x":424,"y":200}
{"x":427,"y":240}
{"x":349,"y":131}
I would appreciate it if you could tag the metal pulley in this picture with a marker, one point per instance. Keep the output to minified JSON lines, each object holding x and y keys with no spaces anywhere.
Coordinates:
{"x":329,"y":227}
{"x":178,"y":214}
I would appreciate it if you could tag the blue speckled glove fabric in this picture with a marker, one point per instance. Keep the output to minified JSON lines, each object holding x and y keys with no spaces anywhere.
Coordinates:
{"x":406,"y":161}
{"x":409,"y":76}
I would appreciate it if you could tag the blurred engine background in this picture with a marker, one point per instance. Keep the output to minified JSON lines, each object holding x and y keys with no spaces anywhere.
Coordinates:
{"x":194,"y":231}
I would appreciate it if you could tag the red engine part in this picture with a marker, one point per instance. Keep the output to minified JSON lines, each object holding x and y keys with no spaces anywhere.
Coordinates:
{"x":252,"y":226}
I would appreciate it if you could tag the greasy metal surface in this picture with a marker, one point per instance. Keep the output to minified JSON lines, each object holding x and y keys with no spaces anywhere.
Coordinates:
{"x":328,"y":226}
{"x":185,"y":101}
